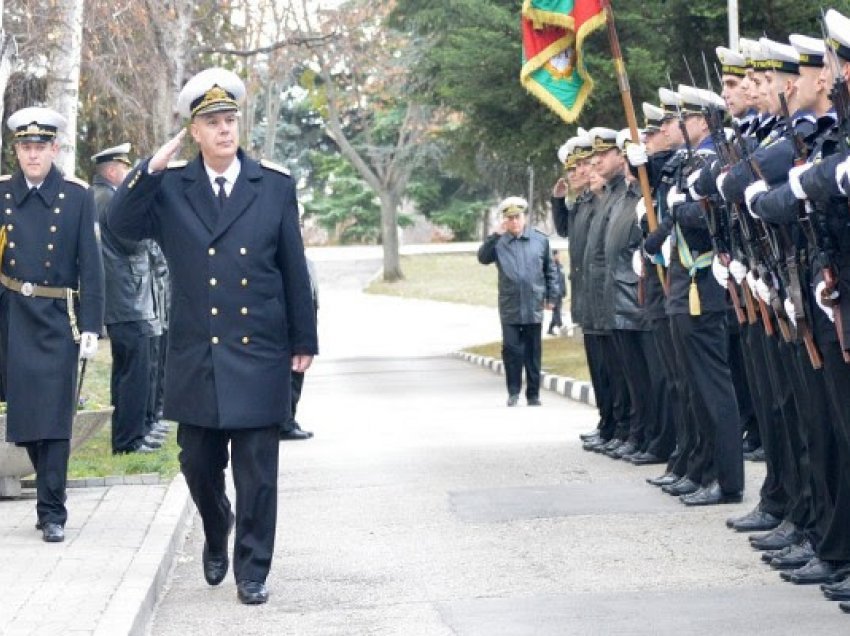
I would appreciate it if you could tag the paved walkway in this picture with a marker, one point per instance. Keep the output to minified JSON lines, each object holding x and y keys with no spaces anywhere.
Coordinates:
{"x":423,"y":506}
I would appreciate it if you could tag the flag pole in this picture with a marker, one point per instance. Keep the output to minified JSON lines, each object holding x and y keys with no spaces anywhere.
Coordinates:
{"x":626,"y":94}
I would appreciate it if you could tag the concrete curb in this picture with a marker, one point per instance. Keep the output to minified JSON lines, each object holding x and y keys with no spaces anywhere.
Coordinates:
{"x":130,"y":609}
{"x":571,"y":388}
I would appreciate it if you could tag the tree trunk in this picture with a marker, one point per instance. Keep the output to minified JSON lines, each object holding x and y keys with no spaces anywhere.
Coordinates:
{"x":272,"y":115}
{"x":63,"y":83}
{"x":389,"y":236}
{"x":8,"y":50}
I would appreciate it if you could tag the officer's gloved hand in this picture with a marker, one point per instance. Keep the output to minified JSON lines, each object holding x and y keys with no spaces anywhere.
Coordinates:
{"x":842,"y":174}
{"x":751,"y":281}
{"x":636,"y":154}
{"x":674,"y":198}
{"x":738,"y":270}
{"x":720,"y":271}
{"x":789,"y":311}
{"x":637,"y":262}
{"x":794,"y":175}
{"x":820,"y":300}
{"x":640,"y":209}
{"x":692,"y":180}
{"x":753,"y":191}
{"x":88,"y":345}
{"x":763,"y":290}
{"x":719,"y":182}
{"x":663,"y":257}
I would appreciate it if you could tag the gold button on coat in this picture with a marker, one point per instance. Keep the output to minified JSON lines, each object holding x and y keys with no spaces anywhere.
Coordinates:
{"x":244,"y":311}
{"x":243,"y":251}
{"x":214,"y":311}
{"x":244,"y":282}
{"x":211,"y":251}
{"x":53,"y":228}
{"x":213,"y":282}
{"x":215,"y":339}
{"x":245,"y":340}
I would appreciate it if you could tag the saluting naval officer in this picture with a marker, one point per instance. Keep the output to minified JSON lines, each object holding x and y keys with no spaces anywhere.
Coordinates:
{"x":51,"y":304}
{"x":241,"y":320}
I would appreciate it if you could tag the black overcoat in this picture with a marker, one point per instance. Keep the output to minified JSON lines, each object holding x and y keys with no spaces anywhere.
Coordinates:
{"x":241,"y":300}
{"x":51,"y":240}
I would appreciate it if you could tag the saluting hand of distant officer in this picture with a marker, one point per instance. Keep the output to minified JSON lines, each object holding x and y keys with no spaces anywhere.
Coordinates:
{"x":167,"y":152}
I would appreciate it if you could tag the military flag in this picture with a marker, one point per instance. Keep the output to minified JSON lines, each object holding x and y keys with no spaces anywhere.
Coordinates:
{"x":553,"y":32}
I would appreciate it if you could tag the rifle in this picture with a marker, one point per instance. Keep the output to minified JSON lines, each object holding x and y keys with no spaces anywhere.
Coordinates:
{"x":840,"y":97}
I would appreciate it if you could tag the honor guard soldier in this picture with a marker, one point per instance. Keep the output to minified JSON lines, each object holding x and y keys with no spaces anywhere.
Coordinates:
{"x":241,"y":320}
{"x":129,"y":310}
{"x":51,"y":304}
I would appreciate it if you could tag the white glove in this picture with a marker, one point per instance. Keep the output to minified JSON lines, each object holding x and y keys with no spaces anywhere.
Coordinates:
{"x":640,"y":209}
{"x":819,"y":300}
{"x":720,"y":271}
{"x":841,"y":172}
{"x":763,"y":290}
{"x":751,"y":281}
{"x":674,"y":198}
{"x":88,"y":345}
{"x":637,"y":262}
{"x":794,"y":175}
{"x":789,"y":311}
{"x":692,"y":179}
{"x":666,"y":246}
{"x":636,"y":154}
{"x":738,"y":270}
{"x":719,"y":182}
{"x":754,"y":190}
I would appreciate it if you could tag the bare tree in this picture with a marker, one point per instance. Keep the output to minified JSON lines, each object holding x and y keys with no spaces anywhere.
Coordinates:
{"x":63,"y":80}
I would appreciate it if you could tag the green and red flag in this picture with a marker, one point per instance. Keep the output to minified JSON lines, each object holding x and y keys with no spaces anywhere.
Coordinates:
{"x":553,"y":32}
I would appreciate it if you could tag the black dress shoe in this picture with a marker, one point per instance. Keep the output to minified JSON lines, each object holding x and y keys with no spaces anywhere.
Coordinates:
{"x":512,"y":400}
{"x":52,"y":532}
{"x":845,"y":607}
{"x":534,"y":401}
{"x":626,"y":448}
{"x":594,"y":444}
{"x":796,"y":556}
{"x":664,"y":480}
{"x":139,"y":447}
{"x":711,"y":495}
{"x":756,"y":456}
{"x":252,"y":592}
{"x":645,"y":459}
{"x":216,"y":563}
{"x":294,"y":434}
{"x":756,"y":521}
{"x":769,"y":555}
{"x":837,"y":591}
{"x":682,"y":487}
{"x":784,"y":535}
{"x":586,"y":436}
{"x":815,"y":571}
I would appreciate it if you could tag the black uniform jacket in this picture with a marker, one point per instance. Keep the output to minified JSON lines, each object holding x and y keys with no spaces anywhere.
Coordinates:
{"x":241,"y":301}
{"x":126,"y":265}
{"x":51,"y":240}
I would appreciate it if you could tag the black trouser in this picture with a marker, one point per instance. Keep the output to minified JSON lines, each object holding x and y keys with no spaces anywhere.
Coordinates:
{"x":666,"y":387}
{"x":49,"y":457}
{"x":621,"y":404}
{"x":835,"y":542}
{"x":601,"y":382}
{"x":521,"y":348}
{"x":706,"y":345}
{"x":156,"y":377}
{"x":632,"y":349}
{"x":129,"y":382}
{"x":203,"y":458}
{"x":296,"y":385}
{"x":773,"y":497}
{"x":556,"y":321}
{"x":746,"y":409}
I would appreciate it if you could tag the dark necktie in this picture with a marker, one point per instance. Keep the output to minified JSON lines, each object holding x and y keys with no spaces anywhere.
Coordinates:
{"x":222,"y":193}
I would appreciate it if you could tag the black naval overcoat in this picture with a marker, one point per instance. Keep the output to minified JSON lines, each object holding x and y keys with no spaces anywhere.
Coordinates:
{"x":52,"y":241}
{"x":241,"y":299}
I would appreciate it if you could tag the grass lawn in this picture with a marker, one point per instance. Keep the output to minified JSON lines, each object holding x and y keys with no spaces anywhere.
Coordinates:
{"x":561,"y":356}
{"x":454,"y":278}
{"x":460,"y":278}
{"x":95,"y":458}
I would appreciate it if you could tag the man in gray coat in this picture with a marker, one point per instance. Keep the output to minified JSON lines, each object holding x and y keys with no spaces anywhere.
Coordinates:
{"x":527,"y":283}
